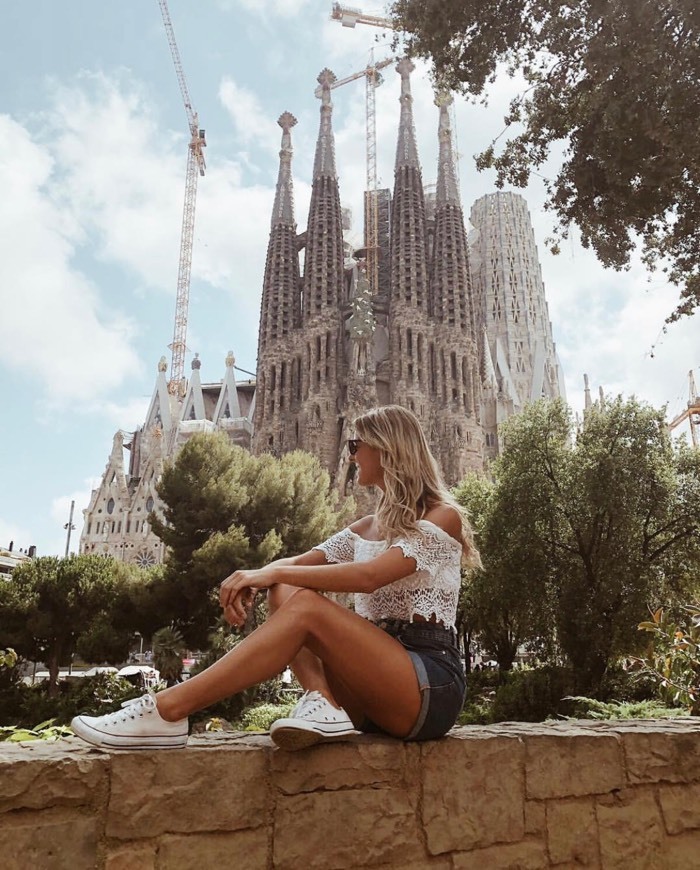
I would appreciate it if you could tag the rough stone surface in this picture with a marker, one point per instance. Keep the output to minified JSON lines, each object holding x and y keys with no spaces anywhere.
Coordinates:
{"x":68,"y":778}
{"x":572,"y":832}
{"x":557,"y":766}
{"x":631,"y":832}
{"x":484,"y":803}
{"x":354,"y":828}
{"x":132,"y":856}
{"x":233,"y":800}
{"x":670,"y":756}
{"x":244,"y":850}
{"x":374,"y":762}
{"x":526,"y":855}
{"x":221,"y":789}
{"x":48,"y":840}
{"x":535,"y":818}
{"x":680,"y":807}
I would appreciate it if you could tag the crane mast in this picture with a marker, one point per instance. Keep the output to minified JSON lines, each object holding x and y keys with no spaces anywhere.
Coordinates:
{"x":691,"y":412}
{"x":196,"y":166}
{"x":349,"y":17}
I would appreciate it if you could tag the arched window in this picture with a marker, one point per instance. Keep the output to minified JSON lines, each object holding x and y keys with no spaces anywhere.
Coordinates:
{"x":149,"y":503}
{"x":110,"y":506}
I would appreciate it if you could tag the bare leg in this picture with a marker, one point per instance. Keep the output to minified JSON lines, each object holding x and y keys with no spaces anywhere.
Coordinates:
{"x":376,"y":669}
{"x":307,"y":667}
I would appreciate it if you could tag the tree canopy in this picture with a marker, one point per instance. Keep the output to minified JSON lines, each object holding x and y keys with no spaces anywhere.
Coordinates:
{"x":617,"y":83}
{"x":52,"y":608}
{"x":583,"y":530}
{"x":226,"y":509}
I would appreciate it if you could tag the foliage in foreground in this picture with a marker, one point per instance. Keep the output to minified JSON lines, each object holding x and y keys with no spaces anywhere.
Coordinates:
{"x":617,"y":84}
{"x":673,"y":658}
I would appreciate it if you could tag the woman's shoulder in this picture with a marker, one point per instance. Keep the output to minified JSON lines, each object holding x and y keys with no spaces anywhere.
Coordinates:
{"x":362,"y":526}
{"x":448,"y":518}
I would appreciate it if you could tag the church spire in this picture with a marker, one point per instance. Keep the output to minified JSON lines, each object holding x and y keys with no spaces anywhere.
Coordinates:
{"x":447,"y":188}
{"x":406,"y":149}
{"x":409,"y":268}
{"x":283,"y":211}
{"x":324,"y":163}
{"x":323,"y":263}
{"x":279,"y":310}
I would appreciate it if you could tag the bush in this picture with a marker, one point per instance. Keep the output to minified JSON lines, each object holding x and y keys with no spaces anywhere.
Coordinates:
{"x":590,"y":708}
{"x":261,"y":717}
{"x":25,"y":706}
{"x":533,"y":695}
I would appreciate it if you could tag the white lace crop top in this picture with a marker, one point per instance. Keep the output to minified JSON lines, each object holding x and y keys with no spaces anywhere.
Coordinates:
{"x":431,"y":591}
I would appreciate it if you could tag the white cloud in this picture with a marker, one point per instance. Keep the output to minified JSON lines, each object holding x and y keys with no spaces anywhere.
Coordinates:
{"x":53,"y":323}
{"x":267,"y":9}
{"x":60,"y":514}
{"x":10,"y":533}
{"x":253,"y":124}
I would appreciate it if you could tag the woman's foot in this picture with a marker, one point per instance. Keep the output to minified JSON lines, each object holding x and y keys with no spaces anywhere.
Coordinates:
{"x":138,"y":725}
{"x":313,"y":720}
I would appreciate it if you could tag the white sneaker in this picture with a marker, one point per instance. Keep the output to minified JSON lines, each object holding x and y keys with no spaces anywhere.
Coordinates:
{"x":313,"y":720}
{"x":138,"y":725}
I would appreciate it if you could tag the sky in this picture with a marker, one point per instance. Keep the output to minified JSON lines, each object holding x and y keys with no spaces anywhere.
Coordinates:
{"x":93,"y":144}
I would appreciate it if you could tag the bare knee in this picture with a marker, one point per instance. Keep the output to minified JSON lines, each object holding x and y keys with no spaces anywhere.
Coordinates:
{"x":279,"y":594}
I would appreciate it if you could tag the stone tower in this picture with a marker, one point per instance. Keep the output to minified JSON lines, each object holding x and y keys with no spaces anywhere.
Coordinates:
{"x":453,"y":364}
{"x":520,"y":362}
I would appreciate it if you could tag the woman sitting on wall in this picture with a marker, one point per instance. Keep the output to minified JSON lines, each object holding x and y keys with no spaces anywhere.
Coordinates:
{"x":392,"y":666}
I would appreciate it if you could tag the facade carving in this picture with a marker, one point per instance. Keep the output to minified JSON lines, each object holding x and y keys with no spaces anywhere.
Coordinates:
{"x":116,"y":519}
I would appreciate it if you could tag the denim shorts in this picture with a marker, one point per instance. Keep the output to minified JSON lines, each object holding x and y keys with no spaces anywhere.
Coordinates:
{"x":435,"y":656}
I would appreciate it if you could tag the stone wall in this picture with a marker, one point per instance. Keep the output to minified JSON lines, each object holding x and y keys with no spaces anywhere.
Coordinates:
{"x":518,"y":796}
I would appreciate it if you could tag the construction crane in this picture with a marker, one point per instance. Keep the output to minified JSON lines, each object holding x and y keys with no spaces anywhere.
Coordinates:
{"x":195,"y":167}
{"x":349,"y":17}
{"x":373,"y":79}
{"x":691,"y":412}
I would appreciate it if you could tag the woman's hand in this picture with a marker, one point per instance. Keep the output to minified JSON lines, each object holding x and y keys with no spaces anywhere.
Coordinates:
{"x":232,"y":587}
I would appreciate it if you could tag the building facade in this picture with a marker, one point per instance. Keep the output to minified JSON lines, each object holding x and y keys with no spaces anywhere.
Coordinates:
{"x":457,"y":330}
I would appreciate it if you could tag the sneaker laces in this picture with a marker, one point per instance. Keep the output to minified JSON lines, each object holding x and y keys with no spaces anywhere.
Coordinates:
{"x":308,"y":704}
{"x":132,"y":708}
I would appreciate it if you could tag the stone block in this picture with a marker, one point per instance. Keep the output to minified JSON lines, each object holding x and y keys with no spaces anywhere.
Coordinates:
{"x":631,"y":831}
{"x":218,"y":789}
{"x":38,"y":775}
{"x":681,"y":851}
{"x":665,"y":756}
{"x":347,"y":829}
{"x":473,"y":792}
{"x":572,"y":765}
{"x":138,"y":856}
{"x":572,"y":832}
{"x":53,"y":839}
{"x":535,"y":820}
{"x":526,"y":855}
{"x":244,"y":850}
{"x":680,"y":807}
{"x":367,"y":762}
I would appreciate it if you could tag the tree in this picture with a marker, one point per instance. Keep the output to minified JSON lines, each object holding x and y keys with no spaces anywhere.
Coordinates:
{"x":227,"y":509}
{"x":168,"y":647}
{"x":608,"y":517}
{"x":52,"y":606}
{"x":618,"y":84}
{"x":503,"y":603}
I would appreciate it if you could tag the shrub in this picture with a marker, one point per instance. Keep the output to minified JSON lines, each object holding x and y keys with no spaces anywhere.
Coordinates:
{"x":673,"y":662}
{"x":590,"y":708}
{"x":532,"y":695}
{"x":261,"y":717}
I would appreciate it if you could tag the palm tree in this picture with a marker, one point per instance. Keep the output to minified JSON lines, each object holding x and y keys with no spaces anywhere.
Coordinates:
{"x":168,"y":647}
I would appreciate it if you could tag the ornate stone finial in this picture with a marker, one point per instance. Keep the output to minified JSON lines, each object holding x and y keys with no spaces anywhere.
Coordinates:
{"x":230,"y":360}
{"x":443,"y":98}
{"x":196,"y":362}
{"x":405,"y":67}
{"x":162,"y":364}
{"x":325,"y":79}
{"x":286,"y":121}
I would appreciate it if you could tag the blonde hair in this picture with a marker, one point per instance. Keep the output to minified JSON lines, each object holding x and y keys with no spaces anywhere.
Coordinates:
{"x":413,"y":484}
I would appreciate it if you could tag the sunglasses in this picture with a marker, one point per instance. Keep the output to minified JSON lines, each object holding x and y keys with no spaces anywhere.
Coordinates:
{"x":353,"y":444}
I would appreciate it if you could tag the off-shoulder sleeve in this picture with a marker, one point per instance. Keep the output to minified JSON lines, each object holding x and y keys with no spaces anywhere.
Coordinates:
{"x":339,"y":547}
{"x":429,"y":550}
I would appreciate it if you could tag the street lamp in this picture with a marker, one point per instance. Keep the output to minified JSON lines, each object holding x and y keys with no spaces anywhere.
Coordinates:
{"x":69,"y":527}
